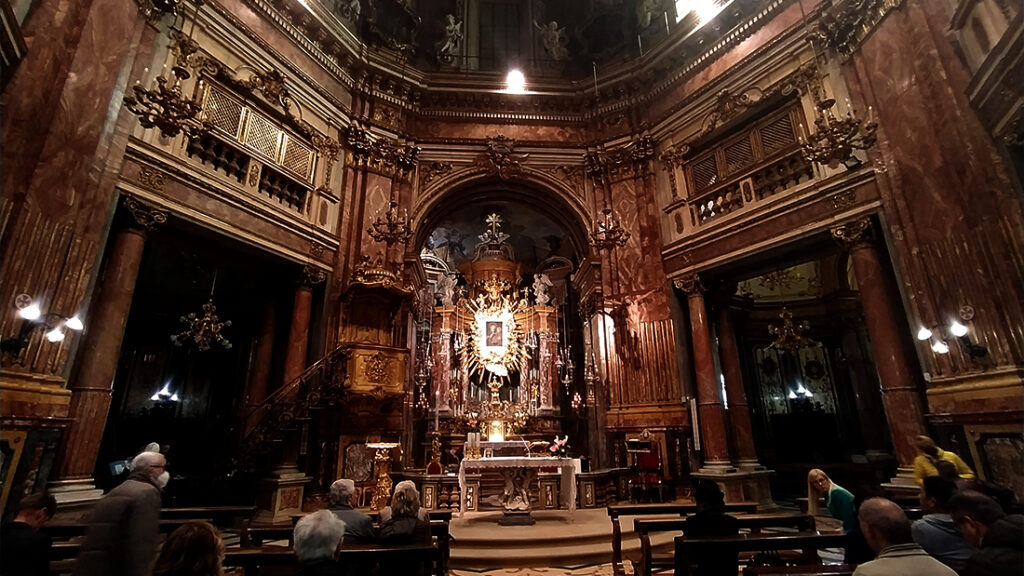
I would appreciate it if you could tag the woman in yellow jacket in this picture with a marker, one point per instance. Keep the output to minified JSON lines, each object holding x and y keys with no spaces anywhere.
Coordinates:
{"x":931,"y":458}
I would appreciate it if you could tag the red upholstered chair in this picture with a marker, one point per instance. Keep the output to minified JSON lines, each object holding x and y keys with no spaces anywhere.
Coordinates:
{"x":645,"y":478}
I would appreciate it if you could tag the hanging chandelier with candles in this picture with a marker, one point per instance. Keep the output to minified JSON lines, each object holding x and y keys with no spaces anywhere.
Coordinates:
{"x":608,"y":231}
{"x":391,"y":228}
{"x":788,"y":336}
{"x":163,"y":104}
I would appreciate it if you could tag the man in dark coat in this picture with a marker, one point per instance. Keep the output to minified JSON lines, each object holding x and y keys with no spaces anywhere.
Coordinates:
{"x":124,"y":526}
{"x":24,"y":550}
{"x":998,"y":536}
{"x":358,"y":526}
{"x":710,"y":521}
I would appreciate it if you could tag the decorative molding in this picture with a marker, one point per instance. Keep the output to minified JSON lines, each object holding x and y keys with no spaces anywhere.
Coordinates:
{"x":500,"y":158}
{"x":689,"y":283}
{"x":627,"y":161}
{"x":311,"y":276}
{"x":151,"y":178}
{"x":728,"y":105}
{"x":434,"y":170}
{"x":854,"y":234}
{"x":380,"y":154}
{"x":144,"y":216}
{"x":844,"y":200}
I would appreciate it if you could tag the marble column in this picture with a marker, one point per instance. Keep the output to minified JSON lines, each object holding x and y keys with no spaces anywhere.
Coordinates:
{"x":709,"y":402}
{"x":739,"y":412}
{"x":263,"y":354}
{"x":298,"y":335}
{"x":897,"y":365}
{"x":101,"y":352}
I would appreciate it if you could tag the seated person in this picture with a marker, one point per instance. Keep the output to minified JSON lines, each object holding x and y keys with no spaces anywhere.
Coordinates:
{"x":318,"y":538}
{"x":709,"y":521}
{"x":887,"y":530}
{"x":997,"y":535}
{"x":935,"y":531}
{"x":24,"y":550}
{"x":934,"y":461}
{"x":358,"y":526}
{"x":409,"y":487}
{"x":194,"y":549}
{"x":404,"y":527}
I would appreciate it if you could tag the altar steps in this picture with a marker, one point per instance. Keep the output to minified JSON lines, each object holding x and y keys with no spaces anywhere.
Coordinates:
{"x":554,"y":541}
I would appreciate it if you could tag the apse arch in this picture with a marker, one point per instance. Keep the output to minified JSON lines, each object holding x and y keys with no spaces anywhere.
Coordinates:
{"x":535,"y":189}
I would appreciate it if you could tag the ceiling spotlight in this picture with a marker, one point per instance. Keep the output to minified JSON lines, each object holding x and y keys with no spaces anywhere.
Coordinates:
{"x":74,"y":323}
{"x":55,"y":335}
{"x":957,"y":329}
{"x":940,"y":347}
{"x":924,"y":334}
{"x":30,"y":312}
{"x":515,"y":82}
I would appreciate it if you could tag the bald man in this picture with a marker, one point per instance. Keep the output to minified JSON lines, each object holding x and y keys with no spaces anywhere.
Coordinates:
{"x":887,"y":530}
{"x":123,"y":526}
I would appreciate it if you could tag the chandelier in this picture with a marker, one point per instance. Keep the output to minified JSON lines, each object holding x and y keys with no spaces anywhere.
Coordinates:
{"x":163,"y":105}
{"x":392,"y":228}
{"x":788,"y":336}
{"x":203,"y":330}
{"x":608,"y":231}
{"x":836,"y":137}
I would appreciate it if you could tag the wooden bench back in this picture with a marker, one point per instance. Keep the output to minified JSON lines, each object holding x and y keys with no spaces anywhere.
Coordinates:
{"x":808,"y":542}
{"x":251,"y":560}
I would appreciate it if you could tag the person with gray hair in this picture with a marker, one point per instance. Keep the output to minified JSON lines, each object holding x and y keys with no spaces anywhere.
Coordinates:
{"x":887,"y":530}
{"x":998,"y":536}
{"x":358,"y":526}
{"x":410,"y":494}
{"x":123,"y":526}
{"x":318,"y":537}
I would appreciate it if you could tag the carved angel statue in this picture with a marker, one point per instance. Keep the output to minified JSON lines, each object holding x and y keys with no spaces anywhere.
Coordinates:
{"x":555,"y":40}
{"x":449,"y":43}
{"x":541,"y":285}
{"x":348,"y":9}
{"x":645,"y":11}
{"x":445,"y":289}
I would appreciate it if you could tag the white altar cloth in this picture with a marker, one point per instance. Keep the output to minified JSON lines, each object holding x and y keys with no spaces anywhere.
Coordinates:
{"x":568,"y":467}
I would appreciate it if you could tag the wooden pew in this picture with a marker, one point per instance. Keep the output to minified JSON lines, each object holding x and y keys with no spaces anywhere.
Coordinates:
{"x":754,"y":524}
{"x":617,"y":511}
{"x":727,"y":546}
{"x":67,"y":530}
{"x":251,"y":560}
{"x":217,"y":515}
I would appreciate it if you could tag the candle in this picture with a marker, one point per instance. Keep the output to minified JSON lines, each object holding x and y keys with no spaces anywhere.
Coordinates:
{"x":437,"y":408}
{"x":666,"y":21}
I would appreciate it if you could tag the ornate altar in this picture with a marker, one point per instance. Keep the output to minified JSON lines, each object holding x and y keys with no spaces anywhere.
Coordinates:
{"x":493,"y":346}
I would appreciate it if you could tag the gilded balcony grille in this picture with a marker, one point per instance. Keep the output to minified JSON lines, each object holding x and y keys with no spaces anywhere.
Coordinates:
{"x":224,"y":113}
{"x":298,"y":158}
{"x":263,"y":136}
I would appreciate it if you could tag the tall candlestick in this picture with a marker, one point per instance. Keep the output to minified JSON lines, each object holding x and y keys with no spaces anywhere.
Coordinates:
{"x":437,"y":408}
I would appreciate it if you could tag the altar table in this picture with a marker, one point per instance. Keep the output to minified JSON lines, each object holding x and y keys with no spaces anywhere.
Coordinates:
{"x":567,"y":467}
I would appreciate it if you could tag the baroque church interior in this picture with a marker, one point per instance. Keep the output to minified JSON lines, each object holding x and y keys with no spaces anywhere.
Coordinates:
{"x":292,"y":241}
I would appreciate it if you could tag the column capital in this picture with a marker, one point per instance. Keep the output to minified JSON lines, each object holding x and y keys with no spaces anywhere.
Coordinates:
{"x":144,"y":218}
{"x":311,"y":276}
{"x":856,"y":234}
{"x":690,"y":284}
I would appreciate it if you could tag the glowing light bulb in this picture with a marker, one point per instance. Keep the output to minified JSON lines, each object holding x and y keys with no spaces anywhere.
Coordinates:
{"x":174,"y":397}
{"x":940,"y":347}
{"x":30,"y":312}
{"x":166,"y":390}
{"x":515,"y":82}
{"x":55,"y":335}
{"x":74,"y":323}
{"x":792,"y":395}
{"x":957,"y":329}
{"x":924,"y":334}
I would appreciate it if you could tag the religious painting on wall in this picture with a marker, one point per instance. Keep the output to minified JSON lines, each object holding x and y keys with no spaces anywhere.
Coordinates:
{"x":494,"y":334}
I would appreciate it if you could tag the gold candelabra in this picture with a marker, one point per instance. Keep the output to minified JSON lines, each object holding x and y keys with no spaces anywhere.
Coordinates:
{"x":392,"y":228}
{"x":788,"y":336}
{"x":836,"y":137}
{"x":608,"y":231}
{"x":203,"y":330}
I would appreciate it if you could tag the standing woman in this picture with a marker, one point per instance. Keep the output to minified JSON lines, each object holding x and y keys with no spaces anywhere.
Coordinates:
{"x":838,"y":500}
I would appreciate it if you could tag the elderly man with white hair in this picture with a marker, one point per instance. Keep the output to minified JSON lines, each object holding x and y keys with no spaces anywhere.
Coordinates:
{"x":358,"y":526}
{"x":318,"y":537}
{"x":123,"y":526}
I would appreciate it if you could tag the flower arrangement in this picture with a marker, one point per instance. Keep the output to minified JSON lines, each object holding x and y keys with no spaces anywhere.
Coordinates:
{"x":560,"y":447}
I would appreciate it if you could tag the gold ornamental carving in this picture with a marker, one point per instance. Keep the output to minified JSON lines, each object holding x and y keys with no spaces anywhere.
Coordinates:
{"x":311,"y":276}
{"x":844,"y":200}
{"x":434,"y":170}
{"x":500,"y":158}
{"x":844,"y":24}
{"x":378,"y":369}
{"x":728,"y":105}
{"x":689,"y":283}
{"x":254,"y":174}
{"x":854,"y":234}
{"x":151,"y":178}
{"x":144,"y":216}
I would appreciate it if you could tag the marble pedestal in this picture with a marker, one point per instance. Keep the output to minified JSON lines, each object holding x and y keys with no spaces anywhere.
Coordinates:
{"x":747,"y":484}
{"x":280,"y":496}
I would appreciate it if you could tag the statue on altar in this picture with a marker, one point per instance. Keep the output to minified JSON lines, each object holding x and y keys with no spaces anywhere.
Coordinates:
{"x":541,"y":285}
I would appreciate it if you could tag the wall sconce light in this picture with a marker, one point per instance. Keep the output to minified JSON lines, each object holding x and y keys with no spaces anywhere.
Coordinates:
{"x":165,"y":396}
{"x":938,"y":336}
{"x":56,"y":325}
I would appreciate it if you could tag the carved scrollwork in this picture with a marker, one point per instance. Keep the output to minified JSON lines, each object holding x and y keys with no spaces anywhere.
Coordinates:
{"x":728,"y":105}
{"x":689,"y":283}
{"x":845,"y":23}
{"x":500,"y":158}
{"x":311,"y":276}
{"x":434,"y":170}
{"x":854,"y":234}
{"x":144,"y":216}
